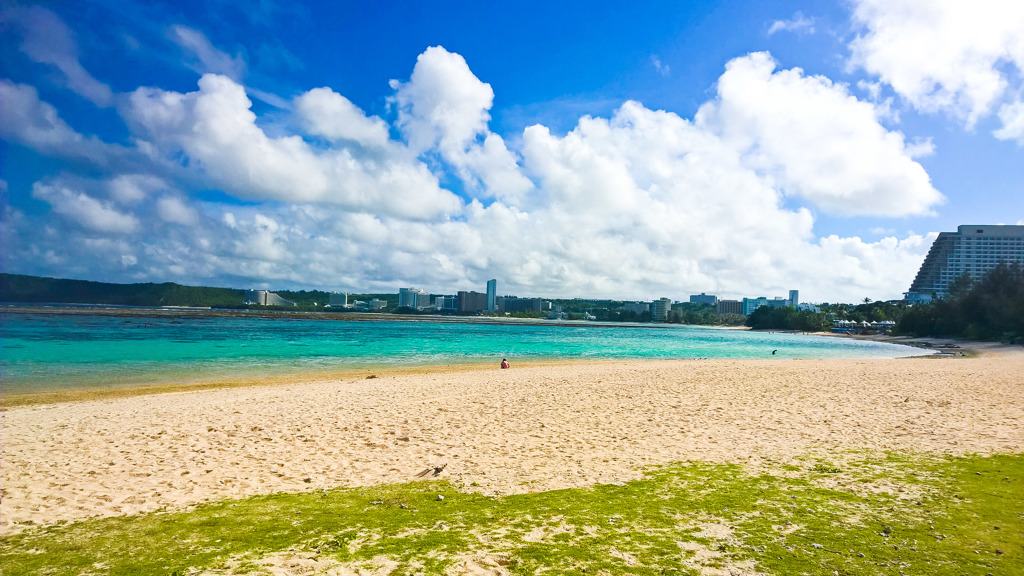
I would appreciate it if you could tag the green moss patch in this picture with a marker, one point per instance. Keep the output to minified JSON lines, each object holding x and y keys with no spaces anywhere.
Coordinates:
{"x":890,"y":514}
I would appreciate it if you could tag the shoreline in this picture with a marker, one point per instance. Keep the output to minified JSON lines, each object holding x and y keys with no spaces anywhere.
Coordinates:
{"x":22,"y":399}
{"x":531,"y":428}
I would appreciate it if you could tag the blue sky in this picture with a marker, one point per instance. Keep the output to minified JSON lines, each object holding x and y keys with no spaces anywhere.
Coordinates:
{"x":591,"y":149}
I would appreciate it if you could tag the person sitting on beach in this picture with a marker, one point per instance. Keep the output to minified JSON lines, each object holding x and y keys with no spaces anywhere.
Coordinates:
{"x":504,"y":364}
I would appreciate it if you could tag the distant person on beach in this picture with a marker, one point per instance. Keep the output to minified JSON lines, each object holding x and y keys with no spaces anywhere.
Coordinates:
{"x":504,"y":364}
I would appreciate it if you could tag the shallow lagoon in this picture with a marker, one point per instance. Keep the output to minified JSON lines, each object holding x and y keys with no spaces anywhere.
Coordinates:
{"x":48,"y":350}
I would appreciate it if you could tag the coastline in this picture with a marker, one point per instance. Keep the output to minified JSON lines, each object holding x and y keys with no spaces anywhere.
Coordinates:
{"x":532,"y":428}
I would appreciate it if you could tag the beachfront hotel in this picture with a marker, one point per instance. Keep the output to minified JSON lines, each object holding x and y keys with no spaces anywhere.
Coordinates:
{"x":973,"y":249}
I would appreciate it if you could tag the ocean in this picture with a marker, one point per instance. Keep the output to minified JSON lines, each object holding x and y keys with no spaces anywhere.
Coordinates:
{"x":48,"y":350}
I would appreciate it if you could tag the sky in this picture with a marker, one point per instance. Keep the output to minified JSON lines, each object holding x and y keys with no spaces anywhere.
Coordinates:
{"x":567,"y":149}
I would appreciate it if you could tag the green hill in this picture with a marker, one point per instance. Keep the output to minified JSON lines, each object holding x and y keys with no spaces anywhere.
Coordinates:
{"x":18,"y":288}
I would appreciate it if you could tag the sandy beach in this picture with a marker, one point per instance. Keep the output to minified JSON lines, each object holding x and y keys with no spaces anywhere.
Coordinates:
{"x":530,"y":428}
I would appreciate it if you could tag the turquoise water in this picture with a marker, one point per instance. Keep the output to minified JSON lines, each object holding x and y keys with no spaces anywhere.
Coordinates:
{"x":60,"y":351}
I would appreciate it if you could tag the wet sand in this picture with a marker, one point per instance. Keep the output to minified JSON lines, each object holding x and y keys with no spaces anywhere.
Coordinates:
{"x":530,"y":428}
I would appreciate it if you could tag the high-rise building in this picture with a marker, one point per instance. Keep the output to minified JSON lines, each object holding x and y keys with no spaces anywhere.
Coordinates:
{"x":973,"y":249}
{"x":751,"y":304}
{"x":445,"y":303}
{"x":723,"y":307}
{"x":492,"y":295}
{"x":337,"y":299}
{"x":471,"y":302}
{"x":703,"y":298}
{"x":660,"y":309}
{"x":794,"y":298}
{"x":413,"y":298}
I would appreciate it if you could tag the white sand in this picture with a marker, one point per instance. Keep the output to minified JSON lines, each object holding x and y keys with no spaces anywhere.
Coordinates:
{"x":525,"y":429}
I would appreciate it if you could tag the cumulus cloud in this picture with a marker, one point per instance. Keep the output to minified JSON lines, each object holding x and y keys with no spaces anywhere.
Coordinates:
{"x":28,"y":121}
{"x":817,"y":140}
{"x":642,"y":204}
{"x":216,"y":128}
{"x":175,"y":210}
{"x":324,"y":112}
{"x":798,"y":23}
{"x":203,"y":56}
{"x":132,"y":188}
{"x":444,"y":106}
{"x":942,"y":55}
{"x":47,"y":40}
{"x":1012,"y":116}
{"x":78,"y":207}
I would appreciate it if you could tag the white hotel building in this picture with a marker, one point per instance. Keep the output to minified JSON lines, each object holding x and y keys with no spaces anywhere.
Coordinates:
{"x":972,"y":249}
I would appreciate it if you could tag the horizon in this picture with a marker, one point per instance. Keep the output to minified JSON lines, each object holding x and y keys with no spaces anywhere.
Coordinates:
{"x":734,"y":147}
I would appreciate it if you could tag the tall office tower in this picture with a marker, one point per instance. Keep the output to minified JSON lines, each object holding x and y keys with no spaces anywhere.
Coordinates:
{"x":660,"y":309}
{"x":492,"y":295}
{"x":794,"y":298}
{"x":972,"y":249}
{"x":413,"y":298}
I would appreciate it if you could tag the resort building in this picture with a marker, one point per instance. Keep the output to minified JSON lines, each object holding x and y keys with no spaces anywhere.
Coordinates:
{"x":446,"y":303}
{"x":376,"y":305}
{"x":513,"y":304}
{"x":660,"y":309}
{"x":492,"y":295}
{"x":637,"y":308}
{"x":751,"y":304}
{"x":703,"y":298}
{"x":413,"y":298}
{"x":471,"y":302}
{"x":723,"y":307}
{"x":337,"y":300}
{"x":973,"y":249}
{"x":265,"y":298}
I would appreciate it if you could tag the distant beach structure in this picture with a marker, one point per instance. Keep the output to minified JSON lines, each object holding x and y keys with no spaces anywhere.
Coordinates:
{"x":265,"y":298}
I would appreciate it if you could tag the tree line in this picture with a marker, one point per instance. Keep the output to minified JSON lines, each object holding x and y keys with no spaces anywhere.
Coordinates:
{"x":991,"y":308}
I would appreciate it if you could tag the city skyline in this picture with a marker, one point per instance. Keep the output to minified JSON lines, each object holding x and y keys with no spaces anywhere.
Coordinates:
{"x":594,"y":151}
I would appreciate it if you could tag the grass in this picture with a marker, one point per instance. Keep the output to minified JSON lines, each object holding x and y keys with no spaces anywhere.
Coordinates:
{"x":891,"y":514}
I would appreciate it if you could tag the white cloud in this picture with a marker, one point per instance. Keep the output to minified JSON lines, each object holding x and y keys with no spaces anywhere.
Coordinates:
{"x":79,"y":207}
{"x":27,"y":120}
{"x":641,"y":204}
{"x":798,"y":23}
{"x":943,"y":55}
{"x":662,"y":68}
{"x":217,"y":130}
{"x":48,"y":40}
{"x":174,"y":210}
{"x":324,"y":112}
{"x":445,"y":106}
{"x":132,"y":188}
{"x":817,"y":140}
{"x":1012,"y":116}
{"x":204,"y":57}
